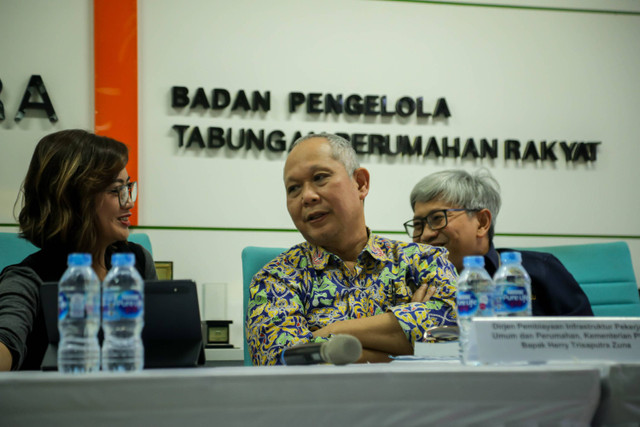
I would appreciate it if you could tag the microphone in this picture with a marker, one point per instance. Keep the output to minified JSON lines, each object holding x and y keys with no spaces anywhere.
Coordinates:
{"x":339,"y":350}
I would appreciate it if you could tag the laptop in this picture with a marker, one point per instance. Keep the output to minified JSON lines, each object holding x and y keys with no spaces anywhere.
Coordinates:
{"x":172,"y":333}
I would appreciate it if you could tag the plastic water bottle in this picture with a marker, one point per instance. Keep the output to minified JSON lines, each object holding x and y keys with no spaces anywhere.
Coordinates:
{"x":474,"y":298}
{"x":122,"y":315}
{"x":513,"y":287}
{"x":79,"y":316}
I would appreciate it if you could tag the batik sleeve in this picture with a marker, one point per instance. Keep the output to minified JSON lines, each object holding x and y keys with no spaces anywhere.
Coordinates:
{"x":430,"y":266}
{"x":276,"y":314}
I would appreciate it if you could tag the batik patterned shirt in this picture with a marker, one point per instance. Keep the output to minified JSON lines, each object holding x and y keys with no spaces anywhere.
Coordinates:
{"x":307,"y":288}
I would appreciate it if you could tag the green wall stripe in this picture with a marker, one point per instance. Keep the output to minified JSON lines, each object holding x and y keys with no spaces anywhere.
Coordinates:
{"x":510,"y":6}
{"x":572,"y":236}
{"x":293,"y":230}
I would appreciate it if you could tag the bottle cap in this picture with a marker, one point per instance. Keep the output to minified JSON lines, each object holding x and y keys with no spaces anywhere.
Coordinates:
{"x":79,"y":259}
{"x":473,"y":261}
{"x":122,"y":259}
{"x":510,"y":257}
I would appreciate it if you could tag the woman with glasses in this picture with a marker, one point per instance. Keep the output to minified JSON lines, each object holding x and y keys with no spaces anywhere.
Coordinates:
{"x":76,"y":197}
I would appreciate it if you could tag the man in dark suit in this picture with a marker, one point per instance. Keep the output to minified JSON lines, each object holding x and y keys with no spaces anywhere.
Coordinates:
{"x":458,"y":210}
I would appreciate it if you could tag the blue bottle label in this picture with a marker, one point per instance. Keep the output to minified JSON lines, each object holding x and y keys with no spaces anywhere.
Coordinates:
{"x":125,"y":305}
{"x":63,"y":305}
{"x":129,"y":304}
{"x":514,"y":298}
{"x":467,"y":303}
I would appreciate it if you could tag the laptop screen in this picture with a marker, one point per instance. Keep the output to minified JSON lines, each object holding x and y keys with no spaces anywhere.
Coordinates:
{"x":172,"y":333}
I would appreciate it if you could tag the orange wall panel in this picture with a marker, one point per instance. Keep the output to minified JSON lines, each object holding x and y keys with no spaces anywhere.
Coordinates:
{"x":116,"y":76}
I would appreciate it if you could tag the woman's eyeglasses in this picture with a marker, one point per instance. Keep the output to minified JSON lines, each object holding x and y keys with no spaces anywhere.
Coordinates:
{"x":126,"y":192}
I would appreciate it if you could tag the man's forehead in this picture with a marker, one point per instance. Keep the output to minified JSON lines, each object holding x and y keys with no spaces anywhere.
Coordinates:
{"x":425,"y":208}
{"x":302,"y":168}
{"x":305,"y":165}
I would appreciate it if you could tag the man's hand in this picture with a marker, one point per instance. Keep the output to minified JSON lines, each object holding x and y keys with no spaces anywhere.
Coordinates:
{"x":373,"y":356}
{"x":381,"y":333}
{"x":423,"y":293}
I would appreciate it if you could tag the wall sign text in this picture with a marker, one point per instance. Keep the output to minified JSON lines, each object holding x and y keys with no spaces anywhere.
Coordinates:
{"x":35,"y":98}
{"x":362,"y":109}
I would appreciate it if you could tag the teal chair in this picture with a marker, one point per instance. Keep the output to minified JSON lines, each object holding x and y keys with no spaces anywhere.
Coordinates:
{"x":253,"y":259}
{"x":13,"y":249}
{"x":605,"y":273}
{"x":142,"y":239}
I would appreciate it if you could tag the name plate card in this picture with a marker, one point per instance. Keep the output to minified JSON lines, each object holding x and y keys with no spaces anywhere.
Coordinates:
{"x":544,"y":339}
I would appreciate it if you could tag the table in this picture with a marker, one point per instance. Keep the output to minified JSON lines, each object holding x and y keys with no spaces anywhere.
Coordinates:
{"x":396,"y":394}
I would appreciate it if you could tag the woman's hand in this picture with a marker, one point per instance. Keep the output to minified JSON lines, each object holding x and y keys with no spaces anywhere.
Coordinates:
{"x":5,"y":358}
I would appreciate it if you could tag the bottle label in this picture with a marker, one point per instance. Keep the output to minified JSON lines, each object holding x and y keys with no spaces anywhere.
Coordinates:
{"x":485,"y":307}
{"x":513,"y":299}
{"x":125,"y":305}
{"x":76,"y":306}
{"x":468,"y":303}
{"x":72,"y":306}
{"x":63,"y":305}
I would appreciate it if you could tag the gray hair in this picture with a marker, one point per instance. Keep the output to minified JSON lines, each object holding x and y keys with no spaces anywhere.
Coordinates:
{"x":457,"y":187}
{"x":341,"y":149}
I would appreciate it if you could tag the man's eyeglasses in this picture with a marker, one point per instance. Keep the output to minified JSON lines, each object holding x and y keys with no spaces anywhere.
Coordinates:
{"x":436,"y":220}
{"x":126,"y":192}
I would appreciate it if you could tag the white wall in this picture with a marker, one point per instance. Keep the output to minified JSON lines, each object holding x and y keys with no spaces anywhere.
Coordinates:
{"x":54,"y":40}
{"x":505,"y":73}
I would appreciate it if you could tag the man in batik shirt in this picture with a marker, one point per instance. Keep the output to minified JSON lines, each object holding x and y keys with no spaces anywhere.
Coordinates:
{"x":343,"y":279}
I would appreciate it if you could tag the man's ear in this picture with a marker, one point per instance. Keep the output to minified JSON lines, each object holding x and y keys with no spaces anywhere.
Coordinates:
{"x":361,"y":178}
{"x":484,"y":222}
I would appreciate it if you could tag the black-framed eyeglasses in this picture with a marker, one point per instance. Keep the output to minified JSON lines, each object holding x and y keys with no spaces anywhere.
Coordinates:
{"x":436,"y":220}
{"x":126,"y":192}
